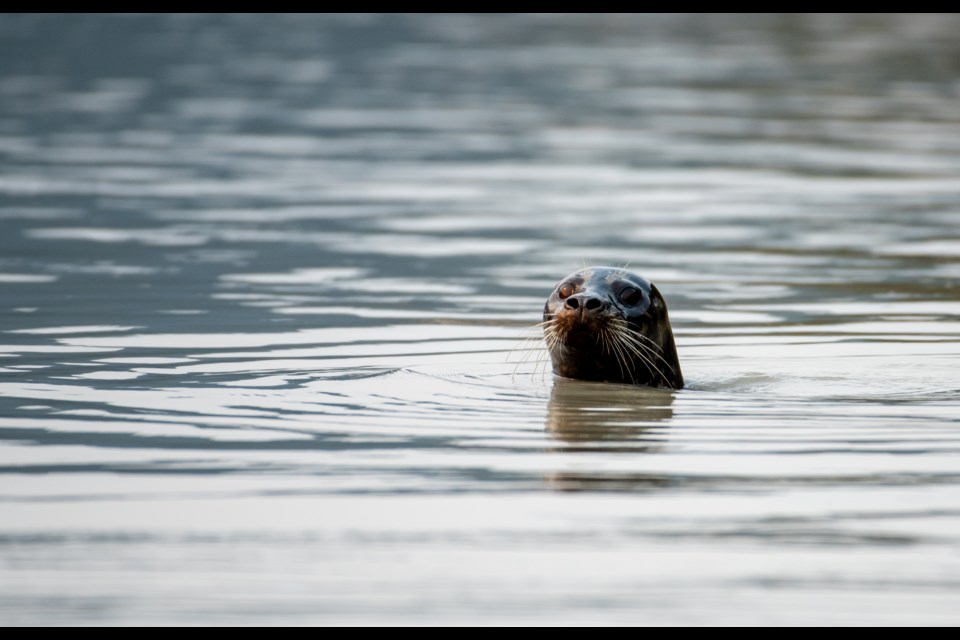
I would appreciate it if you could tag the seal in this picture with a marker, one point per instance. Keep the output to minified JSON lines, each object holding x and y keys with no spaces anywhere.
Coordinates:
{"x":610,"y":325}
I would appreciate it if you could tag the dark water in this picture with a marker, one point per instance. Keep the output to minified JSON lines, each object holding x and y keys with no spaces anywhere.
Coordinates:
{"x":265,"y":282}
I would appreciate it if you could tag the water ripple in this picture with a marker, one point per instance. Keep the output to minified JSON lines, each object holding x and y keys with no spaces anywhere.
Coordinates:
{"x":271,"y":284}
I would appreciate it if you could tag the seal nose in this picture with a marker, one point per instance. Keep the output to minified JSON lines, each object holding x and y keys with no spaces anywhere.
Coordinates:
{"x":585,"y":301}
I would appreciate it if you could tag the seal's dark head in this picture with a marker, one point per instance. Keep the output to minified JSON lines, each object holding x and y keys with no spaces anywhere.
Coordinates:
{"x":611,"y":325}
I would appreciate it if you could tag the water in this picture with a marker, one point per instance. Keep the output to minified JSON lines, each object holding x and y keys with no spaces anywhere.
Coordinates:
{"x":265,"y":283}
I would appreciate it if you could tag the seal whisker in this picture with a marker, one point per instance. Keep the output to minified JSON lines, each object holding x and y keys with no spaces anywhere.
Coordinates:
{"x":627,"y":361}
{"x":611,"y":348}
{"x":638,"y":349}
{"x":632,"y":350}
{"x":523,"y":345}
{"x":640,"y":335}
{"x":528,"y":353}
{"x":648,"y":362}
{"x":622,"y":361}
{"x":631,"y":334}
{"x":551,"y":336}
{"x":529,"y":347}
{"x":652,"y":344}
{"x":642,"y":352}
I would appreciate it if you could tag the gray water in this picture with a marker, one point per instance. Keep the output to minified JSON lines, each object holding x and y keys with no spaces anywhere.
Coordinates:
{"x":265,"y":284}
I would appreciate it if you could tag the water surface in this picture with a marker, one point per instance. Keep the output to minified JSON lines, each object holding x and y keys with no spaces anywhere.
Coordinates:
{"x":265,"y":284}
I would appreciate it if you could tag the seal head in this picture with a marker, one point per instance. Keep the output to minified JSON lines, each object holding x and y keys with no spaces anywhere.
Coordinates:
{"x":610,"y":325}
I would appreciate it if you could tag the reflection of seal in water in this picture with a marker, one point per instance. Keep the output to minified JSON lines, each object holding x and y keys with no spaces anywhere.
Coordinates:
{"x":611,"y":325}
{"x":592,"y":417}
{"x":607,"y":417}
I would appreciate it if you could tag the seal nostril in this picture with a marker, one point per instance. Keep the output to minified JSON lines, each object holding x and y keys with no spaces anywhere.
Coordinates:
{"x":572,"y":303}
{"x":593,"y":304}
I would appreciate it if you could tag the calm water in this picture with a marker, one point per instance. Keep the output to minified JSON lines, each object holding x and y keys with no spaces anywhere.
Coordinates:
{"x":264,"y":285}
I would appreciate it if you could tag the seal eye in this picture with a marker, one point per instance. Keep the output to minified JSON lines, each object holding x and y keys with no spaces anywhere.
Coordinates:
{"x":566,"y":290}
{"x":630,"y":296}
